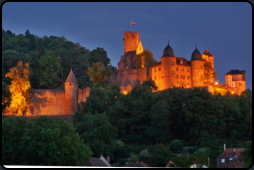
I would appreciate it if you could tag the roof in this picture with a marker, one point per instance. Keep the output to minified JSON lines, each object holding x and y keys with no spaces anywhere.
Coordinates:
{"x":185,"y":62}
{"x":168,"y":52}
{"x":206,"y":52}
{"x":227,"y":159}
{"x":96,"y":162}
{"x":196,"y":55}
{"x":132,"y":164}
{"x":71,"y":77}
{"x":233,"y":72}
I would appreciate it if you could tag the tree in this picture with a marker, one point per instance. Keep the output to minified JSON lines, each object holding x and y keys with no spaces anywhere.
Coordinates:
{"x":209,"y":73}
{"x":98,"y":133}
{"x":99,"y":55}
{"x":247,"y":155}
{"x":176,"y":146}
{"x":49,"y":69}
{"x":150,"y":83}
{"x":145,"y":59}
{"x":20,"y":88}
{"x":99,"y":74}
{"x":160,"y":156}
{"x":42,"y":142}
{"x":6,"y":96}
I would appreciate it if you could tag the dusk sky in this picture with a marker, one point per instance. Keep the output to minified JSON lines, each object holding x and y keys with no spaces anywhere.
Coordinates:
{"x":224,"y":28}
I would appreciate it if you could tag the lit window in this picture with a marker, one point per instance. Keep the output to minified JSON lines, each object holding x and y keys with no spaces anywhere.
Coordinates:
{"x":187,"y":69}
{"x":222,"y":160}
{"x":159,"y":69}
{"x":182,"y":76}
{"x":125,"y":92}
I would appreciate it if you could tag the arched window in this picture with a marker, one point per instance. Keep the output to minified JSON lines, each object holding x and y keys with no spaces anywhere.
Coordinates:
{"x":70,"y":84}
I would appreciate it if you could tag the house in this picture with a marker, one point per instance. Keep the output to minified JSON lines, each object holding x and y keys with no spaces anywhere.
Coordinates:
{"x":230,"y":158}
{"x":101,"y":162}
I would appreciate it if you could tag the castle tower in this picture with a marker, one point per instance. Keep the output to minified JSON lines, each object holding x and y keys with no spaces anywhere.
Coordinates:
{"x":71,"y":87}
{"x":168,"y":68}
{"x":208,"y":57}
{"x":236,"y":78}
{"x":197,"y":69}
{"x":131,"y":41}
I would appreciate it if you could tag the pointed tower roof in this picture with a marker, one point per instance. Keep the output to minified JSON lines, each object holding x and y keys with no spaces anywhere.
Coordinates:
{"x":207,"y":52}
{"x":71,"y":77}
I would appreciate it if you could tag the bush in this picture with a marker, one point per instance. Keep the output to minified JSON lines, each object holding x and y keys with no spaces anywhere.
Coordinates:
{"x":176,"y":146}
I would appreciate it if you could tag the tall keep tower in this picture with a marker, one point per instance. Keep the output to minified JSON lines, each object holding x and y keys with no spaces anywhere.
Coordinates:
{"x":71,"y":87}
{"x":131,"y":40}
{"x":197,"y":69}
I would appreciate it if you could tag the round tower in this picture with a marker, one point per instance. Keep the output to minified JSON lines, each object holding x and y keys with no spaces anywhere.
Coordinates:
{"x":197,"y":69}
{"x":70,"y":100}
{"x":168,"y":68}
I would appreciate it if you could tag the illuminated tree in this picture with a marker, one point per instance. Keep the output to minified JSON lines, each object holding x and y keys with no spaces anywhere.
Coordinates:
{"x":99,"y":74}
{"x":145,"y":59}
{"x":210,"y":73}
{"x":20,"y":88}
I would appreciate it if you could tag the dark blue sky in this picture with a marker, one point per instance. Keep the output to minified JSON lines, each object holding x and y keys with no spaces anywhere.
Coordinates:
{"x":224,"y":28}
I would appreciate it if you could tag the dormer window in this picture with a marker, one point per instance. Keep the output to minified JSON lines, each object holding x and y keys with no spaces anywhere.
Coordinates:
{"x":181,"y":61}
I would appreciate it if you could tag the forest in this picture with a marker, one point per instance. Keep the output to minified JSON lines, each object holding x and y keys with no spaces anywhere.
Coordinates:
{"x":114,"y":124}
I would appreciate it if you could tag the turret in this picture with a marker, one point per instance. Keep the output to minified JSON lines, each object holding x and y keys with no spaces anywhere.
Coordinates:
{"x":168,"y":68}
{"x":197,"y":69}
{"x":71,"y":87}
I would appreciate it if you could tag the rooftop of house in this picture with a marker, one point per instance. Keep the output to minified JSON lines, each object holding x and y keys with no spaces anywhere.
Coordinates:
{"x":230,"y":158}
{"x":233,"y":72}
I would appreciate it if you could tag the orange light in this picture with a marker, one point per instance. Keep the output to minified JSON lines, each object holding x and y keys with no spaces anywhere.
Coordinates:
{"x":232,"y":92}
{"x":216,"y":83}
{"x":125,"y":92}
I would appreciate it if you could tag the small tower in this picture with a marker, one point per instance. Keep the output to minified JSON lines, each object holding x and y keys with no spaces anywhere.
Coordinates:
{"x":168,"y":68}
{"x":71,"y":87}
{"x":197,"y":69}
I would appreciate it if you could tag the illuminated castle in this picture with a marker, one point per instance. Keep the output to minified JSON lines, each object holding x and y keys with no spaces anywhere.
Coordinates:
{"x":171,"y":71}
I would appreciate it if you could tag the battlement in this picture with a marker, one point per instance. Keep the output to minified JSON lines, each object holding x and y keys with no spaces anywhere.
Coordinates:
{"x":83,"y":94}
{"x":131,"y":40}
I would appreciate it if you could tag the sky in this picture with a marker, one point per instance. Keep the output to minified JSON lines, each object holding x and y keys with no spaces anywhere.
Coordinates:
{"x":224,"y":28}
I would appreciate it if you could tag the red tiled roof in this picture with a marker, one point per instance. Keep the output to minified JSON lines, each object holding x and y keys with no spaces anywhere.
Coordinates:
{"x":227,"y":160}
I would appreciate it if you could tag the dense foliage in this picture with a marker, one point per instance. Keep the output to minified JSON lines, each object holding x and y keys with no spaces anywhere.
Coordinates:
{"x":30,"y":49}
{"x":145,"y":59}
{"x":176,"y":146}
{"x":42,"y":142}
{"x":247,"y":155}
{"x":192,"y":116}
{"x":20,"y":88}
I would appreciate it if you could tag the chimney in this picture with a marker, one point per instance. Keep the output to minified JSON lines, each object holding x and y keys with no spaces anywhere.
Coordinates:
{"x":108,"y":159}
{"x":224,"y":147}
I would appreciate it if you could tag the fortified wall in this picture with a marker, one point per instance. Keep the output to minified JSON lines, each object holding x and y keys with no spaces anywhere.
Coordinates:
{"x":56,"y":102}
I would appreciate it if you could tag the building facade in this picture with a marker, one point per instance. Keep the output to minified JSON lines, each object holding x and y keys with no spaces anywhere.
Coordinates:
{"x":171,"y":71}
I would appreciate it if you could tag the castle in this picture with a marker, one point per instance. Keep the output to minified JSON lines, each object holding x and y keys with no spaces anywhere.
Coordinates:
{"x":171,"y":71}
{"x":56,"y":102}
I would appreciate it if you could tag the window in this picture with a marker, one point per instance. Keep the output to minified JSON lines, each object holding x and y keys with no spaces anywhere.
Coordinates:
{"x":154,"y":69}
{"x":154,"y":77}
{"x":188,"y":70}
{"x":182,"y":76}
{"x":159,"y":69}
{"x":162,"y":77}
{"x":222,"y":160}
{"x":188,"y":77}
{"x":181,"y":61}
{"x":173,"y":73}
{"x":172,"y":63}
{"x":182,"y":69}
{"x":177,"y":76}
{"x":176,"y":68}
{"x":240,"y":84}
